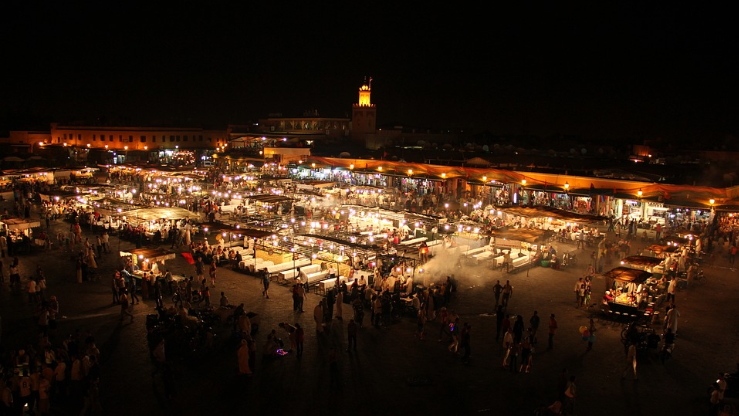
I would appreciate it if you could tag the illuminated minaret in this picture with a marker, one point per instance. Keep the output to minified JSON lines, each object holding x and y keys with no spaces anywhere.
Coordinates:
{"x":364,"y":113}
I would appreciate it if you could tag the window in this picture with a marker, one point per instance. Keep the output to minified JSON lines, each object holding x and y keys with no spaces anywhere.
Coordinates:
{"x":171,"y":139}
{"x":153,"y":139}
{"x":65,"y":136}
{"x":94,"y":139}
{"x":130,"y":139}
{"x":79,"y":136}
{"x":110,"y":138}
{"x":200,"y":138}
{"x":184,"y":138}
{"x":210,"y":139}
{"x":143,"y":139}
{"x":177,"y":137}
{"x":120,"y":137}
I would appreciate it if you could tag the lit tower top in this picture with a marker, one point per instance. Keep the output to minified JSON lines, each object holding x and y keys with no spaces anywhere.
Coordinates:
{"x":364,"y":93}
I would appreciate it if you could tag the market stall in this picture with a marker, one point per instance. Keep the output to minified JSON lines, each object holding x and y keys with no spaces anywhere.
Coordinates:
{"x":19,"y":233}
{"x":627,"y":291}
{"x":145,"y":262}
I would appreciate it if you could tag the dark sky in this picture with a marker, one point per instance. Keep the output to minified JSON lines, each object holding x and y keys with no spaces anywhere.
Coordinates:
{"x":634,"y":70}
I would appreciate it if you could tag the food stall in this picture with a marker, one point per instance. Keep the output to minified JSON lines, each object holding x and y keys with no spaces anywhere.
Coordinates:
{"x":19,"y":233}
{"x":627,"y":291}
{"x":145,"y":261}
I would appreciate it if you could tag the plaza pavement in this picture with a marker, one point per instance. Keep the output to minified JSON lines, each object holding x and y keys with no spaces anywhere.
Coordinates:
{"x":392,"y":372}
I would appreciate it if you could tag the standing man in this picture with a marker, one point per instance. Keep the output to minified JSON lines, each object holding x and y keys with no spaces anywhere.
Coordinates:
{"x":671,"y":319}
{"x":300,"y":293}
{"x":552,"y":330}
{"x":265,"y":284}
{"x":199,"y":266}
{"x":534,"y":322}
{"x":577,"y":291}
{"x":351,"y":330}
{"x":499,"y":316}
{"x":497,"y":289}
{"x":671,"y":289}
{"x":631,"y":362}
{"x":507,"y":292}
{"x":106,"y":241}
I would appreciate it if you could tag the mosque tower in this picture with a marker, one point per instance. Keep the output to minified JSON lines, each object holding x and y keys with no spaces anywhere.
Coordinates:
{"x":364,"y":115}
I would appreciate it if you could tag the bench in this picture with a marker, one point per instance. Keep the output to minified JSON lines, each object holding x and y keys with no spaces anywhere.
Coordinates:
{"x":293,"y":273}
{"x":316,"y":277}
{"x":483,"y":256}
{"x":263,"y":265}
{"x":413,"y":241}
{"x":281,"y":267}
{"x":520,"y":261}
{"x":474,"y":251}
{"x":498,"y":261}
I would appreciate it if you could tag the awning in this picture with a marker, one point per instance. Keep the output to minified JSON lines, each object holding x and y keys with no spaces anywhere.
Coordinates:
{"x":528,"y":235}
{"x":545,"y":211}
{"x":156,"y":254}
{"x":20,"y":224}
{"x":642,"y":261}
{"x":626,"y":275}
{"x":160,"y":213}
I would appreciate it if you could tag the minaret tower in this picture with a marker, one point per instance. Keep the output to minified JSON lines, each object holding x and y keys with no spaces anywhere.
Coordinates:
{"x":364,"y":113}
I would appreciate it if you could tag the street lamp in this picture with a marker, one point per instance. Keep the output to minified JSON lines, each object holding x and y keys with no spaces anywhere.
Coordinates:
{"x":639,"y":193}
{"x":567,"y":186}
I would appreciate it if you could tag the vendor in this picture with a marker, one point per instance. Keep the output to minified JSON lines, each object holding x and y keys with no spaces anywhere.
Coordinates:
{"x":607,"y":297}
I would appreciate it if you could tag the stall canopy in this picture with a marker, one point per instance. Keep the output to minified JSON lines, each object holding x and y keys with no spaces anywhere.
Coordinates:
{"x":544,"y":211}
{"x":155,"y":254}
{"x":267,"y":198}
{"x":159,"y":213}
{"x":523,"y":234}
{"x":642,"y":261}
{"x":20,"y":224}
{"x":626,"y":275}
{"x":659,"y":249}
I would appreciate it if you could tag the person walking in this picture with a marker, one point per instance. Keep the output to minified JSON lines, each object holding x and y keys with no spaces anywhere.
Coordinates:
{"x":534,"y":322}
{"x":552,"y":331}
{"x":497,"y":290}
{"x":125,"y":306}
{"x":242,"y":356}
{"x":577,"y":291}
{"x":318,"y":317}
{"x":212,"y":273}
{"x":133,"y":290}
{"x":671,"y":319}
{"x":351,"y":330}
{"x":358,"y":308}
{"x":570,"y":396}
{"x":671,"y":289}
{"x":507,"y":292}
{"x":526,"y":353}
{"x":631,"y":362}
{"x":265,"y":284}
{"x":465,"y":343}
{"x":340,"y":305}
{"x":499,"y":316}
{"x":420,"y":323}
{"x":591,"y":338}
{"x":299,"y":339}
{"x":300,"y":293}
{"x":206,"y":296}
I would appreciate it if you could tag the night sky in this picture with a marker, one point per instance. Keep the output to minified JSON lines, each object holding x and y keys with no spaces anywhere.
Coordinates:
{"x":631,"y":71}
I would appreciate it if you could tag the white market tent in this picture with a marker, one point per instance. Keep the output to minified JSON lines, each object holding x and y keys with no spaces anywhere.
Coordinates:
{"x":20,"y":224}
{"x":150,"y":214}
